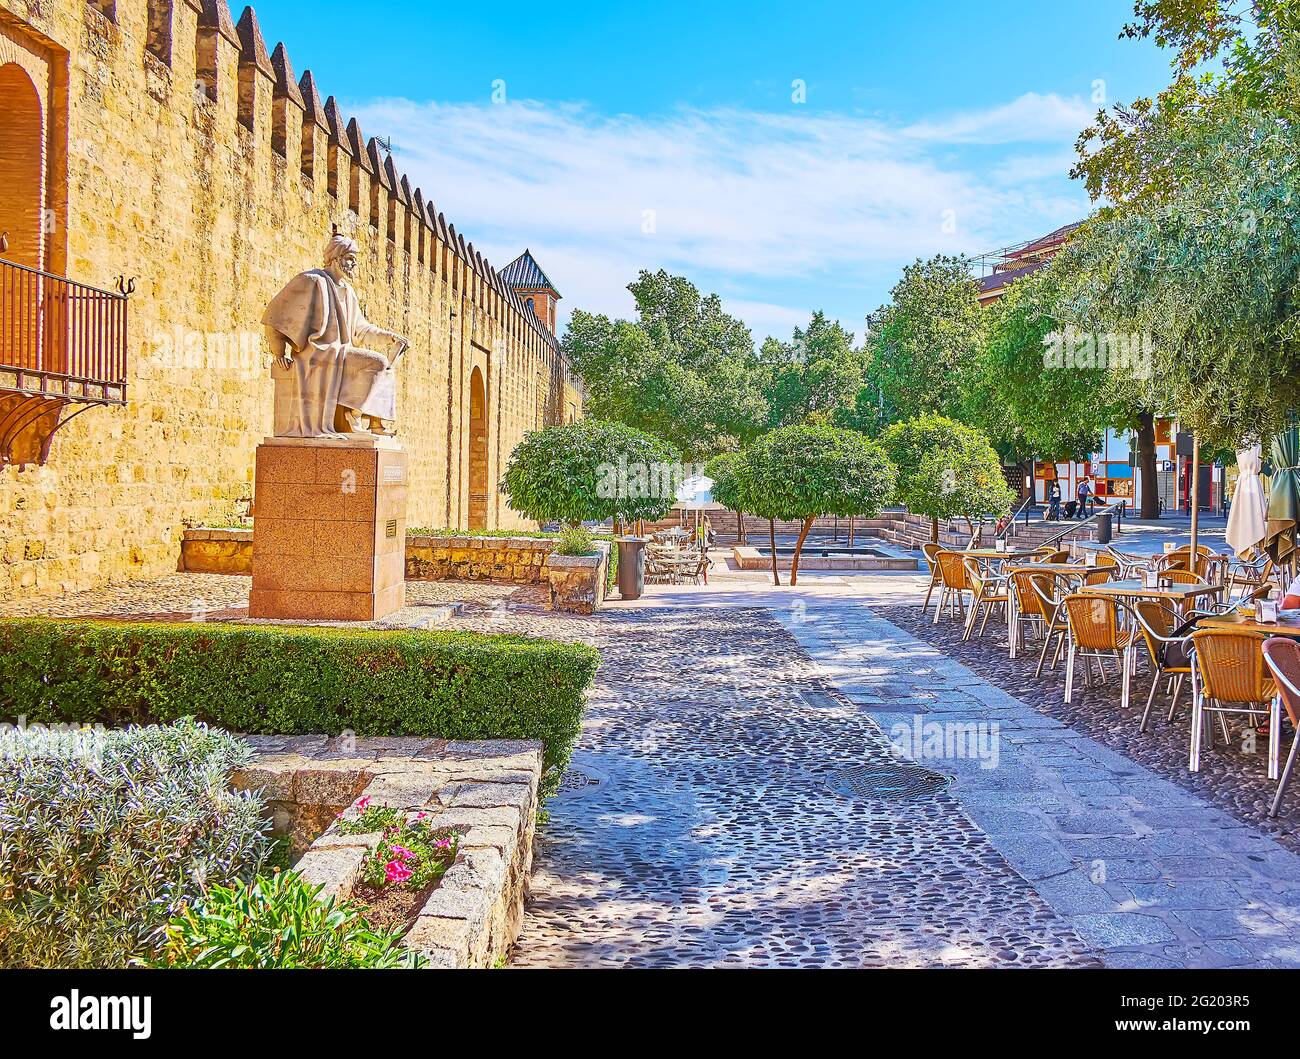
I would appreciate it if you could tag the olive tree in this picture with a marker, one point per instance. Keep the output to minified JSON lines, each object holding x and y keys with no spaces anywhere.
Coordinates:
{"x":591,"y":471}
{"x":797,"y":473}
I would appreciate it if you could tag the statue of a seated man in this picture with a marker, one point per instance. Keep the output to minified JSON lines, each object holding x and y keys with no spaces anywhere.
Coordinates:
{"x":326,"y":384}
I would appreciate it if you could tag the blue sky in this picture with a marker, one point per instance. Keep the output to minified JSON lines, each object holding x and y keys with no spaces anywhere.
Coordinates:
{"x":610,"y":138}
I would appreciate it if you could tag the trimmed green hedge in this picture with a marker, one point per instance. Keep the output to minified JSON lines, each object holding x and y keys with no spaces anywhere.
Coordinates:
{"x":287,"y":680}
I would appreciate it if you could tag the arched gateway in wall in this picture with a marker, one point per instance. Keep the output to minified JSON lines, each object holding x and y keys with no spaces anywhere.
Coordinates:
{"x":478,"y":452}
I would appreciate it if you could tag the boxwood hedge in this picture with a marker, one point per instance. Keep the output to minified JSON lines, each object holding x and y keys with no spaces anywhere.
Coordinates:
{"x":285,"y":680}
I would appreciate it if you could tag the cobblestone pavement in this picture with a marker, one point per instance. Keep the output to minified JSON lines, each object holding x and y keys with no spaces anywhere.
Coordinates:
{"x":696,"y":826}
{"x":1116,"y":838}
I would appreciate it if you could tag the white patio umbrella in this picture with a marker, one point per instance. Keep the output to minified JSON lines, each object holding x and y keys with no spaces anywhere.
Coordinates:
{"x":1248,"y":520}
{"x":696,"y":494}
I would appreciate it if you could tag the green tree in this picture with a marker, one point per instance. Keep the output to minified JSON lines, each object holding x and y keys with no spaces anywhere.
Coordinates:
{"x":801,"y":472}
{"x":1207,"y":282}
{"x":728,"y":471}
{"x":591,"y":471}
{"x":924,"y":345}
{"x":684,"y":370}
{"x":1226,"y":57}
{"x":1059,"y":400}
{"x":814,"y":375}
{"x":946,"y":470}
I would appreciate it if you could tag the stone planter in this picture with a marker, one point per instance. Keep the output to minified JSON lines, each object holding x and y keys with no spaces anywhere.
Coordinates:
{"x":578,"y":581}
{"x":488,"y":790}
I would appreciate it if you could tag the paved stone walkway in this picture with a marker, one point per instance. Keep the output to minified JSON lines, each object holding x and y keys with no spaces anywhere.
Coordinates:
{"x":696,"y":827}
{"x":1146,"y":872}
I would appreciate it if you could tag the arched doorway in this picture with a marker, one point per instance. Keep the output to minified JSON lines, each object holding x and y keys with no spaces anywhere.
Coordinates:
{"x":22,"y":201}
{"x":22,"y":138}
{"x":478,"y":452}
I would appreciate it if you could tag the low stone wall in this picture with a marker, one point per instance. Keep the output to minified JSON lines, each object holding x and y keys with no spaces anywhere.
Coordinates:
{"x":513,"y":560}
{"x":578,"y":582}
{"x":486,"y":790}
{"x":217,"y":551}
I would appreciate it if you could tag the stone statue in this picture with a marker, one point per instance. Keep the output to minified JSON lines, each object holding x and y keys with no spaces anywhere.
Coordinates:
{"x":326,"y":385}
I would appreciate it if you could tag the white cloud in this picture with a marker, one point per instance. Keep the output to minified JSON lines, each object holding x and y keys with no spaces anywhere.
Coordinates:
{"x":1026,"y":119}
{"x":768,"y":209}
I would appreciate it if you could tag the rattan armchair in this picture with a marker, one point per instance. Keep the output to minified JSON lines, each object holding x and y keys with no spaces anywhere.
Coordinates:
{"x":1096,"y":634}
{"x":1282,"y":656}
{"x":1229,"y":677}
{"x":988,"y":590}
{"x":954,"y":586}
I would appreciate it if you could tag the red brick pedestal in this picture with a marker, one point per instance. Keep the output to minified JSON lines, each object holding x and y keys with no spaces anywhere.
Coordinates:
{"x":329,"y":529}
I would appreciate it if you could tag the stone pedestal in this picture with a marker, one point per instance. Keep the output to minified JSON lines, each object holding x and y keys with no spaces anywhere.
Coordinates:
{"x":329,"y":529}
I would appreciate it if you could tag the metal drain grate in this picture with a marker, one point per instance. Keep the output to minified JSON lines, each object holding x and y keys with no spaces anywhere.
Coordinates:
{"x":575,"y":780}
{"x":886,"y":782}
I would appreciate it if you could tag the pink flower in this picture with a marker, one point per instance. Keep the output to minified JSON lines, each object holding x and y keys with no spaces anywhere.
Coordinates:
{"x":396,"y":872}
{"x":401,"y":852}
{"x":363,"y":803}
{"x":421,"y":816}
{"x":442,"y":843}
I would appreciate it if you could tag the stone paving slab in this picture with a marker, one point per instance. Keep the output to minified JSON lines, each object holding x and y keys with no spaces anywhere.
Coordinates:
{"x":1145,"y":871}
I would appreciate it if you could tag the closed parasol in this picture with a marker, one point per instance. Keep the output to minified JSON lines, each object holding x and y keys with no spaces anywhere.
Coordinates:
{"x":1247,"y":523}
{"x":1284,"y":499}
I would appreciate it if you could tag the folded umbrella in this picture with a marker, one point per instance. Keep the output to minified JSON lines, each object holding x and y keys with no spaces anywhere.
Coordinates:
{"x":1284,"y":500}
{"x":1248,"y":520}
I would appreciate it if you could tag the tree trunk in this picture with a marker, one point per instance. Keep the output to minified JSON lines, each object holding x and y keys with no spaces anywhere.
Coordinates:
{"x":740,"y":527}
{"x":771,"y":536}
{"x":852,"y":519}
{"x":934,"y":530}
{"x":794,"y":566}
{"x":1146,"y":438}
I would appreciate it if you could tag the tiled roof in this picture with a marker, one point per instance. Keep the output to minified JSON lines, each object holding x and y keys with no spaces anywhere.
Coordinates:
{"x":525,"y":273}
{"x":997,"y":280}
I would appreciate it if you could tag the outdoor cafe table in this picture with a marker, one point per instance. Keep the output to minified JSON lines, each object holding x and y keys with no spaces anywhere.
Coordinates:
{"x":1179,"y":596}
{"x":1238,"y":622}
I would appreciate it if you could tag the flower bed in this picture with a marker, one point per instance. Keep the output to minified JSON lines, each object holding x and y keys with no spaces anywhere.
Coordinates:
{"x":458,"y":817}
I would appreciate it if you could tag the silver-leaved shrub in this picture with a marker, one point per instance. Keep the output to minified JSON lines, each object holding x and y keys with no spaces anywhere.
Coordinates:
{"x":102,"y":839}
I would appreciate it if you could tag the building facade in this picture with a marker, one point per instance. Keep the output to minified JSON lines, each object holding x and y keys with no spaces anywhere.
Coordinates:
{"x":162,"y":174}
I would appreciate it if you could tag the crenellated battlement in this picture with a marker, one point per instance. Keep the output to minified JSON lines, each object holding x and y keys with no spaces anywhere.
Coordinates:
{"x":235,"y":76}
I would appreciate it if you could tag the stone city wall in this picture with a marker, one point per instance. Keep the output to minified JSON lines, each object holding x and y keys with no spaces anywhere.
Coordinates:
{"x":182,"y":151}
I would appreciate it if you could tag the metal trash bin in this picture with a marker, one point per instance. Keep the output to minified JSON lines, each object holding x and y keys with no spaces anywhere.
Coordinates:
{"x":631,"y":567}
{"x":1104,"y":526}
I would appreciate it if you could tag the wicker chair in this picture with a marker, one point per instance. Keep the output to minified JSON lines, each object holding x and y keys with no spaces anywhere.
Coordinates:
{"x":1051,"y":590}
{"x":1229,"y":676}
{"x":988,"y":588}
{"x":1031,"y":609}
{"x":931,"y":552}
{"x":1168,"y":643}
{"x":1060,"y":555}
{"x":1130,"y":565}
{"x":1282,"y":656}
{"x":952,"y":577}
{"x":1096,"y":635}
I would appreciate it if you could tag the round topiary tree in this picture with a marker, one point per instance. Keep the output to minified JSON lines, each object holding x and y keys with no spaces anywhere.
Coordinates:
{"x":800,"y":472}
{"x":728,"y":473}
{"x":591,"y":471}
{"x":947,"y":470}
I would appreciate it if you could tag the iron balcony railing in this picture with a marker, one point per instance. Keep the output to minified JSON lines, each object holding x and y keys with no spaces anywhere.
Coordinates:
{"x":60,"y":338}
